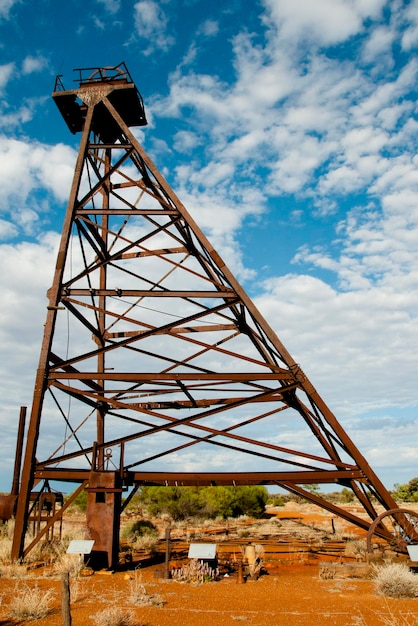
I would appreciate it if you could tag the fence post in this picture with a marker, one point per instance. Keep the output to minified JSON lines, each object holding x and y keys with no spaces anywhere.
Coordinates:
{"x":65,"y":599}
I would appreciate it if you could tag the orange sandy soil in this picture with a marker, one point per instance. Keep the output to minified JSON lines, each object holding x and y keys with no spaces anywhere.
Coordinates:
{"x":292,"y":594}
{"x":296,"y":596}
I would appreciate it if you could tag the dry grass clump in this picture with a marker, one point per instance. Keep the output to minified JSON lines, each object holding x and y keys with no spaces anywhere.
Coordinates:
{"x":69,"y":563}
{"x":395,"y":580}
{"x":114,"y":616}
{"x":13,"y":570}
{"x":30,"y":603}
{"x":139,"y":595}
{"x":327,"y":571}
{"x":6,"y":538}
{"x":195,"y":572}
{"x":356,"y":548}
{"x":147,"y":543}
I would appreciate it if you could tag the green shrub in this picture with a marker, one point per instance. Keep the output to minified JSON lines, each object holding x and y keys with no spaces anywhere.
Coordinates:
{"x":139,"y":528}
{"x":80,"y":501}
{"x":407,"y":492}
{"x":205,"y":502}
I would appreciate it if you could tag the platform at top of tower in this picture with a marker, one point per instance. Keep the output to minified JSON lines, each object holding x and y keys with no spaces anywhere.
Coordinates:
{"x":119,"y":89}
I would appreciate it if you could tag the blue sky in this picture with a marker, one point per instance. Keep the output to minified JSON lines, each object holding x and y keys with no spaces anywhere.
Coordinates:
{"x":289,"y":129}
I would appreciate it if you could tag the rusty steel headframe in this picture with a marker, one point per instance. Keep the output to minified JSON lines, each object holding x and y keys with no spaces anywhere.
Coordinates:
{"x":155,"y":363}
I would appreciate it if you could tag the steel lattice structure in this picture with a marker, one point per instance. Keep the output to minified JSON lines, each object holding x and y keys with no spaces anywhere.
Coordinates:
{"x":155,"y":363}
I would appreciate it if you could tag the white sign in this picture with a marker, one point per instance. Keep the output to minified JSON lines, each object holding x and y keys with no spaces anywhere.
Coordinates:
{"x":79,"y":546}
{"x":413,"y":552}
{"x":202,"y":551}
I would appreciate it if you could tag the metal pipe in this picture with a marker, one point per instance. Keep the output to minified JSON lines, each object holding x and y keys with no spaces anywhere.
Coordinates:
{"x":18,"y":455}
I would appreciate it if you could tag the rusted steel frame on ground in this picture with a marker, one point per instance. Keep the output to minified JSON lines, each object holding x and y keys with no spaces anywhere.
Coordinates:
{"x":329,"y":506}
{"x":27,"y":478}
{"x":54,"y":518}
{"x":94,"y":237}
{"x":399,"y":515}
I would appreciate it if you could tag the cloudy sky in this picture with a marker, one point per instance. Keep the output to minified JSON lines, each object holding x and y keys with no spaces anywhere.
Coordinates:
{"x":288,"y":128}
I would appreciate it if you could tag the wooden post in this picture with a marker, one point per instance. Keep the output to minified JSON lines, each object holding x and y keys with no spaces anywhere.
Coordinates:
{"x":167,"y":552}
{"x":65,"y":599}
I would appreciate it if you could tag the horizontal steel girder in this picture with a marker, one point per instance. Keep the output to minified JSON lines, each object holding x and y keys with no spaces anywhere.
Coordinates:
{"x":210,"y":478}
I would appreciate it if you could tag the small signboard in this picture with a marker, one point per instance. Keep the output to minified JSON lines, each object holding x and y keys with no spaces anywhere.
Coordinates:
{"x":205,"y":551}
{"x":79,"y":546}
{"x":413,"y":552}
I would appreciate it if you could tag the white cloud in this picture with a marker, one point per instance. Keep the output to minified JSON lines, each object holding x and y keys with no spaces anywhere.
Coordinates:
{"x":410,"y":34}
{"x":6,"y":6}
{"x":186,"y":141}
{"x":112,"y":6}
{"x":378,"y":47}
{"x":33,"y":64}
{"x":6,"y":72}
{"x":347,"y":343}
{"x":27,"y":166}
{"x":323,"y":21}
{"x":7,"y":230}
{"x":209,"y":28}
{"x":26,"y":275}
{"x":151,"y":25}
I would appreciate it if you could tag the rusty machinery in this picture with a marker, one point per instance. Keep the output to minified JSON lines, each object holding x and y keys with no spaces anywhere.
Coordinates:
{"x":155,"y":364}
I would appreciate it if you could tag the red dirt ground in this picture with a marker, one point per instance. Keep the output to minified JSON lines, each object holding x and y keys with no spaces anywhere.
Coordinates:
{"x":292,"y":593}
{"x":296,"y":597}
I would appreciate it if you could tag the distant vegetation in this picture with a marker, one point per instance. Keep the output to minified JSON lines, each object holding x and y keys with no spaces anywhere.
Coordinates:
{"x":204,"y":502}
{"x":406,"y":493}
{"x":211,"y":502}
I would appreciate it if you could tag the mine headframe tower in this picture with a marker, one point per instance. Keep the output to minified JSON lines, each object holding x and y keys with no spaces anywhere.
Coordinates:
{"x":156,"y":368}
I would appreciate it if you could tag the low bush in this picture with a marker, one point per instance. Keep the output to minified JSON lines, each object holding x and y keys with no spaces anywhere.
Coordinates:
{"x":114,"y":616}
{"x":30,"y":603}
{"x":140,"y":528}
{"x":395,"y":580}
